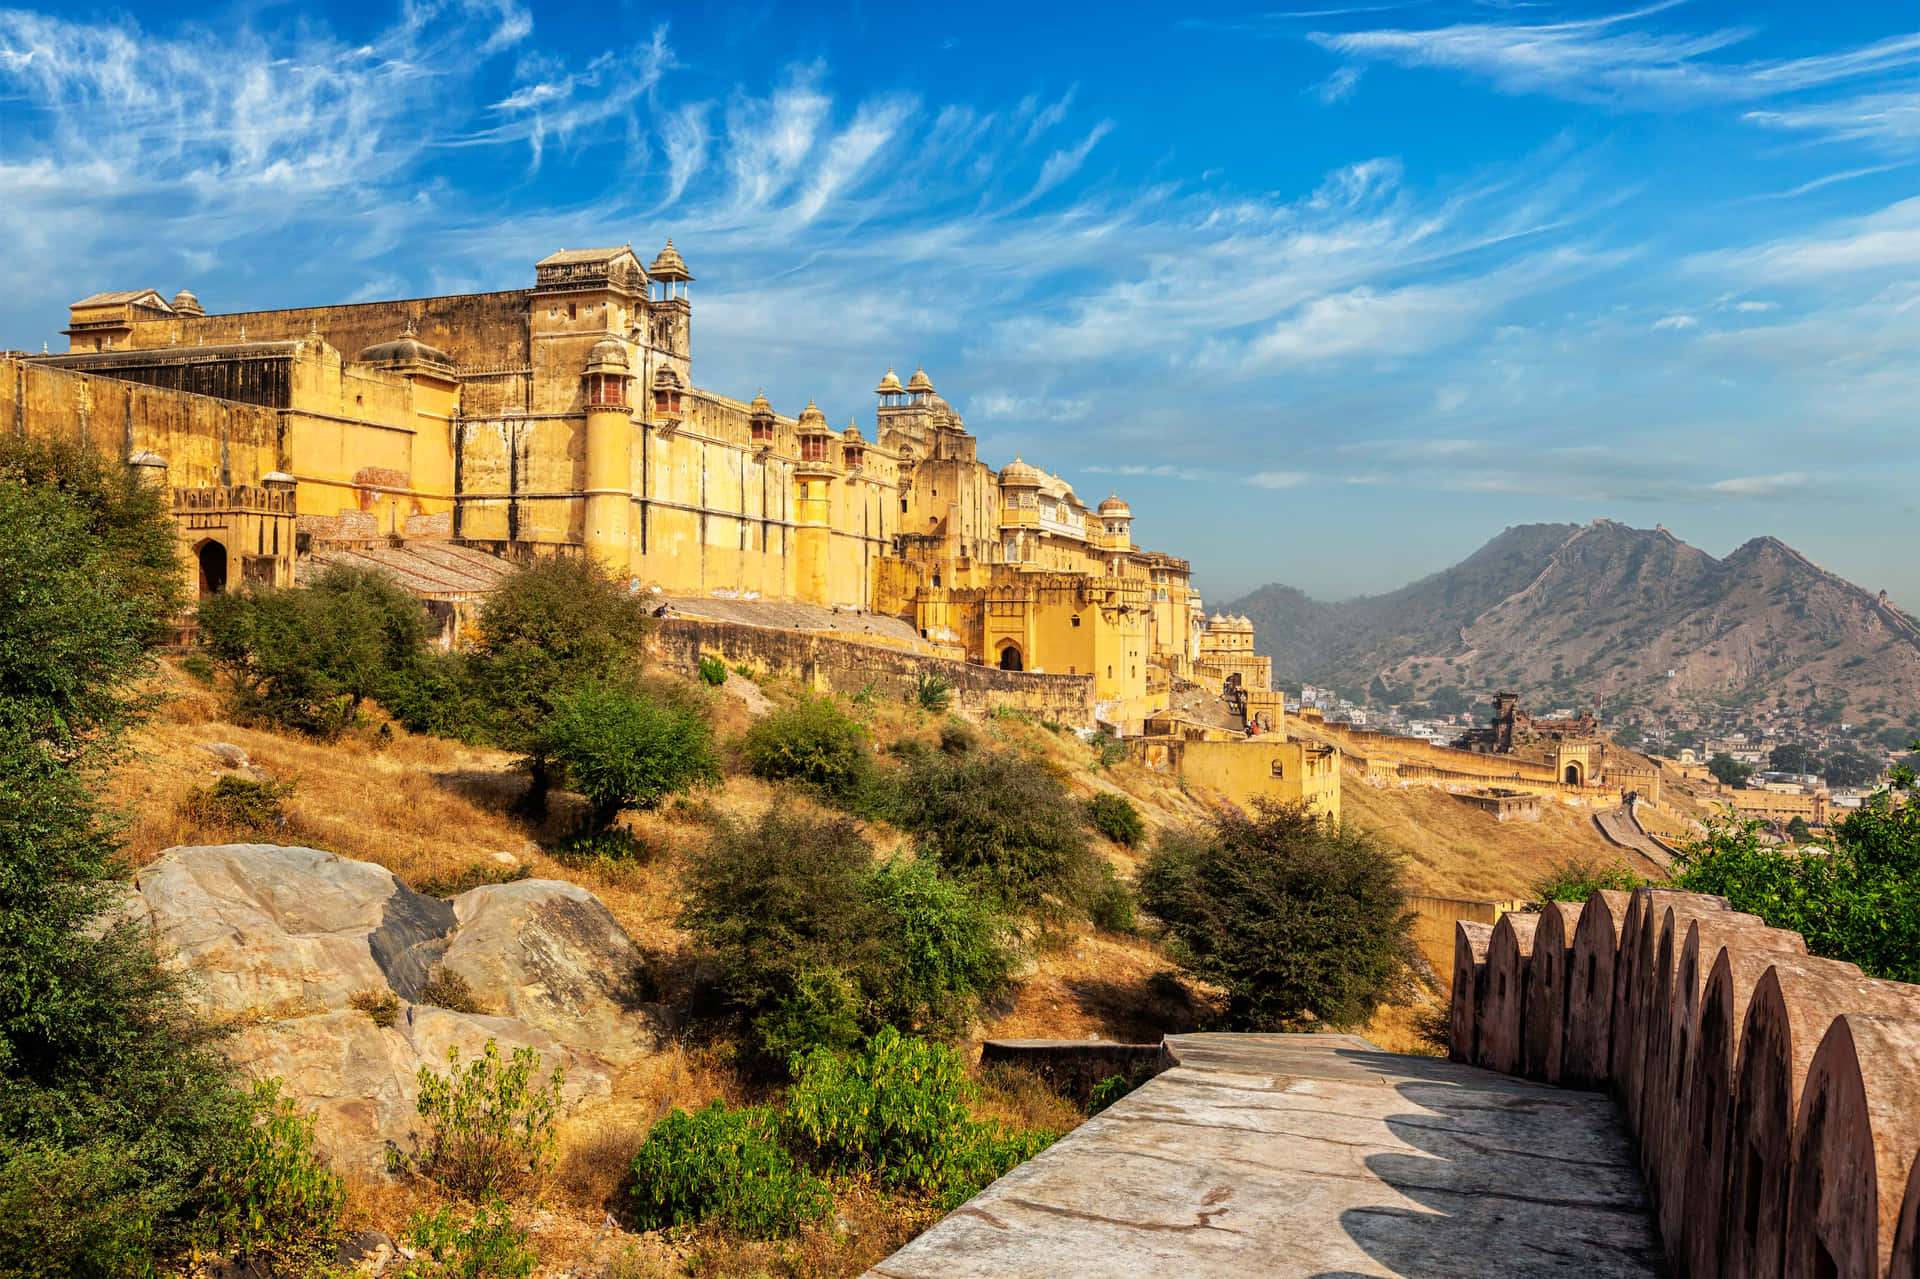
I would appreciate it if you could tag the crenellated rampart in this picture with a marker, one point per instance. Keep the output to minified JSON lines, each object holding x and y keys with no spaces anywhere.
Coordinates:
{"x":1773,"y":1095}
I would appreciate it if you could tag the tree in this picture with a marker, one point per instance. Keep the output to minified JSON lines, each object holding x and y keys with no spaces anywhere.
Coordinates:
{"x":623,"y":750}
{"x":1296,"y":916}
{"x":112,"y":1100}
{"x":555,"y":625}
{"x":1793,"y":759}
{"x":814,"y":743}
{"x":1575,"y":879}
{"x":1850,"y":768}
{"x":1798,"y":831}
{"x":1729,"y":771}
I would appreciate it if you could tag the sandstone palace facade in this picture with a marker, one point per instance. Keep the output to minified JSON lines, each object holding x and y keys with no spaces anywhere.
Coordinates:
{"x":565,"y":418}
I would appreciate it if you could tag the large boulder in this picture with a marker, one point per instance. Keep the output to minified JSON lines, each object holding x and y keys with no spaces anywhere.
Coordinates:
{"x":362,"y":1081}
{"x":551,"y":955}
{"x":275,"y":931}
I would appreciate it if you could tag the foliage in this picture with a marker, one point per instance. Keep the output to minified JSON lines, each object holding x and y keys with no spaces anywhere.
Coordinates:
{"x":1110,"y":906}
{"x":997,"y":817}
{"x":1292,"y":914}
{"x":1858,"y":900}
{"x":113,"y":1101}
{"x":957,"y":738}
{"x":1729,"y":771}
{"x":382,"y":1007}
{"x":1849,"y":768}
{"x":1110,"y":1090}
{"x":727,"y":1165}
{"x":812,"y":742}
{"x":932,"y":692}
{"x":490,"y":1126}
{"x":469,"y":877}
{"x":1798,"y":831}
{"x":445,"y":988}
{"x":1790,"y":757}
{"x":898,"y":1109}
{"x":713,"y":671}
{"x":623,"y":750}
{"x":1108,"y":749}
{"x":306,"y":659}
{"x":1574,"y":879}
{"x":808,"y":936}
{"x":274,"y":1197}
{"x":1115,"y":817}
{"x":489,"y":1246}
{"x":238,"y":804}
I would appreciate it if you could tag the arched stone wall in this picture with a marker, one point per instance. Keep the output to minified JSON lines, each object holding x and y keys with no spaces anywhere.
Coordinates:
{"x":1470,"y":943}
{"x":1501,"y":1015}
{"x":1544,"y":1035}
{"x":1596,"y":946}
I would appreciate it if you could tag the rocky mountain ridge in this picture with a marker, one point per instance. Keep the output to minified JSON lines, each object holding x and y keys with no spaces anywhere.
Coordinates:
{"x":1566,"y":614}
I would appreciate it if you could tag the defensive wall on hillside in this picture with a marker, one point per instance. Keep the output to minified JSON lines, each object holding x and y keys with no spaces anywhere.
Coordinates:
{"x":1771,"y":1094}
{"x":828,"y":664}
{"x":1603,"y":775}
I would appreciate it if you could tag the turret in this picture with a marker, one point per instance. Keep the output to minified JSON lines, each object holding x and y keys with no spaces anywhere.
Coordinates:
{"x":813,"y":481}
{"x":891,"y":393}
{"x":609,"y":454}
{"x":760,"y":423}
{"x":1113,"y":525}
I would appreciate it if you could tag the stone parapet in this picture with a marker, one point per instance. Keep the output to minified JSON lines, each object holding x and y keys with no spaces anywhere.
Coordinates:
{"x":1772,"y":1094}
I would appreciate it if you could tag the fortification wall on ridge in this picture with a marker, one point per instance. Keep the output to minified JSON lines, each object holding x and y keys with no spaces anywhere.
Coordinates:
{"x":1771,"y":1094}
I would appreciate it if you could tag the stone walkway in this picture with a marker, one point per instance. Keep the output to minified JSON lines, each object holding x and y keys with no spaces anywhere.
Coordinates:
{"x":1313,"y":1155}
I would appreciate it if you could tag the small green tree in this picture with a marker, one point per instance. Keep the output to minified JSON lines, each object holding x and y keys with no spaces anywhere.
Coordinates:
{"x":1293,"y":914}
{"x":490,"y":1125}
{"x":1574,"y":879}
{"x":723,"y":1164}
{"x":1799,"y":832}
{"x":624,"y":750}
{"x":1115,"y":817}
{"x":274,"y":1199}
{"x":814,"y":743}
{"x":1729,"y":771}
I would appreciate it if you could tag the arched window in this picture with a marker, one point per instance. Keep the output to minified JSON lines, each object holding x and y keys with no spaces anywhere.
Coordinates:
{"x":1010,"y":659}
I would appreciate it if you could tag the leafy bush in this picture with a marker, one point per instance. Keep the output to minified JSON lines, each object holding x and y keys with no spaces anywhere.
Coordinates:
{"x":1858,"y":900}
{"x":1108,"y":749}
{"x":273,"y":1198}
{"x":238,"y":804}
{"x":1729,"y":771}
{"x":199,"y":669}
{"x":815,"y":744}
{"x":726,"y":1165}
{"x":490,"y":1126}
{"x":626,"y":751}
{"x":713,"y":671}
{"x":382,"y":1007}
{"x":1111,"y":904}
{"x":1290,"y":913}
{"x":113,"y":1100}
{"x":932,"y":692}
{"x":957,"y":738}
{"x":1115,"y":817}
{"x":489,"y":1246}
{"x":305,"y":659}
{"x":997,"y":817}
{"x":898,"y":1109}
{"x":1575,"y":879}
{"x":805,"y":931}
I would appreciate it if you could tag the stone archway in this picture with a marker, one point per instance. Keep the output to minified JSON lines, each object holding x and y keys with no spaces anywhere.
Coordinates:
{"x":1010,"y":659}
{"x":1573,"y":774}
{"x":212,"y":557}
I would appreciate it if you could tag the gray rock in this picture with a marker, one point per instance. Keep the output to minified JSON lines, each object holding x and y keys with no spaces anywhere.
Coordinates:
{"x":227,"y":753}
{"x":550,"y":954}
{"x":282,"y":931}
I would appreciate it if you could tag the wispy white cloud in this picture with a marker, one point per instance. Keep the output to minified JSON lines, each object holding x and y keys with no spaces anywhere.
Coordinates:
{"x":1760,"y":485}
{"x":1279,"y":479}
{"x":1341,"y":85}
{"x":1675,"y":323}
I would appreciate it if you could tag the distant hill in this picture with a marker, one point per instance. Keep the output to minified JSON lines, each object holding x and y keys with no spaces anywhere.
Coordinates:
{"x":1564,"y":613}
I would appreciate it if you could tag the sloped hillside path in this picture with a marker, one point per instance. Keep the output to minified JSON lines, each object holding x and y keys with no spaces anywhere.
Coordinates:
{"x":1312,"y":1155}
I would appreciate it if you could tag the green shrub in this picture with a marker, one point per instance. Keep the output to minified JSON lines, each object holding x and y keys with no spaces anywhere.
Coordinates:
{"x":382,"y":1007}
{"x":1115,"y":817}
{"x":113,"y":1098}
{"x":1292,"y":914}
{"x":239,"y":805}
{"x":489,"y":1246}
{"x":198,"y":668}
{"x":957,"y":738}
{"x":998,"y":818}
{"x":1108,"y":1091}
{"x":932,"y":692}
{"x":305,"y":659}
{"x":591,"y":846}
{"x":724,"y":1165}
{"x":1858,"y":900}
{"x":713,"y":671}
{"x":468,"y":878}
{"x":1575,"y":879}
{"x":898,"y":1109}
{"x":804,"y":930}
{"x":444,"y":695}
{"x":1111,"y":903}
{"x":490,"y":1126}
{"x":626,"y":751}
{"x":815,"y":744}
{"x":273,"y":1198}
{"x":1108,"y":749}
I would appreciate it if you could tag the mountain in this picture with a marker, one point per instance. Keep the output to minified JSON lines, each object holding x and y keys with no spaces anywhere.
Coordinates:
{"x":1564,"y":613}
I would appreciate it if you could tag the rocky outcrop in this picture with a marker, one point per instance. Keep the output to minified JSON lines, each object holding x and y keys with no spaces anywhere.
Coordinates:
{"x":549,"y":954}
{"x":282,"y":939}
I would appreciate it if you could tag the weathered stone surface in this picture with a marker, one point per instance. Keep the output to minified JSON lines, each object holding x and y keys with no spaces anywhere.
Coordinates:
{"x":550,"y":954}
{"x":280,"y":931}
{"x":362,"y":1080}
{"x":1543,"y":1049}
{"x":227,"y":753}
{"x":1311,"y":1155}
{"x":1589,"y":1029}
{"x":1499,"y":1012}
{"x":1470,"y":942}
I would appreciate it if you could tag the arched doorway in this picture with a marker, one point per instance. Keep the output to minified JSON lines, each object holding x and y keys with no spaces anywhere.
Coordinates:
{"x":1010,"y":659}
{"x":213,"y":567}
{"x":1573,"y":774}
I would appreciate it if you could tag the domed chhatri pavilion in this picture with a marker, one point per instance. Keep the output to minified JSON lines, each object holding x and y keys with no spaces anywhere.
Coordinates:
{"x":565,"y":417}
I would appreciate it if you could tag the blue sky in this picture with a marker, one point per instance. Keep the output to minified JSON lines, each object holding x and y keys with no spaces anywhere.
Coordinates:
{"x":1332,"y":292}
